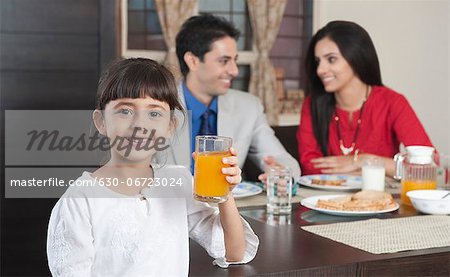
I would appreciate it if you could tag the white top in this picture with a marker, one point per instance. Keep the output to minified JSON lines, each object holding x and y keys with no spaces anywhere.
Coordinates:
{"x":94,"y":231}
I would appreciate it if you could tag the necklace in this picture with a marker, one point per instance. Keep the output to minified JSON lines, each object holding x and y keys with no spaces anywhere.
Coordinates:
{"x":347,"y":150}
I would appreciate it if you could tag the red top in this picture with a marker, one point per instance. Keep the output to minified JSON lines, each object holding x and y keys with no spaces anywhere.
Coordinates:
{"x":387,"y":120}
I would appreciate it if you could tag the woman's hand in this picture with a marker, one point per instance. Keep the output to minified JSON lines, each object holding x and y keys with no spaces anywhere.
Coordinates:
{"x":233,"y":172}
{"x":336,"y":164}
{"x":348,"y":164}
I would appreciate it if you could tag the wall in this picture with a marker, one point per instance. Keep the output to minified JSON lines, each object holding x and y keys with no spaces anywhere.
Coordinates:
{"x":412,"y":41}
{"x":51,"y":55}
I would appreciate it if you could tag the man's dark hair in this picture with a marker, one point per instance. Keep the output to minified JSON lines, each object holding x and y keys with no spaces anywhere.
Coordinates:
{"x":198,"y":33}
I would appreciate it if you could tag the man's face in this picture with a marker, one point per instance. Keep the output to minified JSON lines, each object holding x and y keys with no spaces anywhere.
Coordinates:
{"x":213,"y":75}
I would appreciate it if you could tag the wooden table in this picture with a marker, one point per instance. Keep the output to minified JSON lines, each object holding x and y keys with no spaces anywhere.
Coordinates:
{"x":286,"y":250}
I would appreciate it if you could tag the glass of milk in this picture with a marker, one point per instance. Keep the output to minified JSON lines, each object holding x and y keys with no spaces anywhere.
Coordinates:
{"x":373,"y":172}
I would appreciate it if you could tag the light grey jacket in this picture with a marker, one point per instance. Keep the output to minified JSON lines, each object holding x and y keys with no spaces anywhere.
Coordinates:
{"x":241,"y":117}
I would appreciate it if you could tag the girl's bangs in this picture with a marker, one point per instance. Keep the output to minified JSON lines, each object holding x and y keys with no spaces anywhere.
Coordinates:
{"x":138,"y":78}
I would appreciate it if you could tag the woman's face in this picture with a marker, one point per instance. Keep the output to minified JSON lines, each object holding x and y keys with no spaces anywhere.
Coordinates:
{"x":133,"y":126}
{"x":332,"y":69}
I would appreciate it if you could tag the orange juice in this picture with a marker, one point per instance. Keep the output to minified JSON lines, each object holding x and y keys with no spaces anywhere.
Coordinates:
{"x":209,"y":179}
{"x":409,"y":185}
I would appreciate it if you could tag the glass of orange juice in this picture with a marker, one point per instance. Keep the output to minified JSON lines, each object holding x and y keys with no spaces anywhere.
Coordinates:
{"x":416,"y":169}
{"x":417,"y":176}
{"x":210,"y":184}
{"x":408,"y":185}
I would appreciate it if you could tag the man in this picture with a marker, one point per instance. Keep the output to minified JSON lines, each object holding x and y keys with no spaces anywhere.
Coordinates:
{"x":207,"y":51}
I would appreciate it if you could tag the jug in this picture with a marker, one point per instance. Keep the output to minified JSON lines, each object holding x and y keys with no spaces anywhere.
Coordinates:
{"x":416,"y":169}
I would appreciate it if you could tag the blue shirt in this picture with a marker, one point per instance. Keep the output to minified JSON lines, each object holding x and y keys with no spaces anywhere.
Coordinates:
{"x":197,"y":109}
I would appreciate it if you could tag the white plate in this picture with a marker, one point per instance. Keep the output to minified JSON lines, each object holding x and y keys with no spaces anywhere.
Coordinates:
{"x":246,"y":189}
{"x":352,"y":183}
{"x":311,"y":202}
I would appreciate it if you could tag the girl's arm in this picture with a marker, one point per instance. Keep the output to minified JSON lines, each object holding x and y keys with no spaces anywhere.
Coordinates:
{"x":222,"y":231}
{"x":233,"y":230}
{"x":70,"y":249}
{"x":230,"y":219}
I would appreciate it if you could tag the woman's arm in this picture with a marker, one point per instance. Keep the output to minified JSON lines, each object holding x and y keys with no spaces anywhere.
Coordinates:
{"x":389,"y":163}
{"x":350,"y":164}
{"x":405,"y":123}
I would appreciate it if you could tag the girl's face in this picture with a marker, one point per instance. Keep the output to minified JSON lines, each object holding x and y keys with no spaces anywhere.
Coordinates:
{"x":332,"y":69}
{"x":133,"y":127}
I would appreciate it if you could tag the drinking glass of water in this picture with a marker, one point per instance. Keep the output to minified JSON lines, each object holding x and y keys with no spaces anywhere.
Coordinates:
{"x":279,"y":190}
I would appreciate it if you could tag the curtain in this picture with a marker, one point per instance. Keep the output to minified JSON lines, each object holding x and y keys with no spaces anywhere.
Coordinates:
{"x":172,"y":14}
{"x":265,"y":18}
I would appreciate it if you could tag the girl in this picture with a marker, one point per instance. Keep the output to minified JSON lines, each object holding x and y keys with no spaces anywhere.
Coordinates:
{"x":349,"y":114}
{"x":133,"y":218}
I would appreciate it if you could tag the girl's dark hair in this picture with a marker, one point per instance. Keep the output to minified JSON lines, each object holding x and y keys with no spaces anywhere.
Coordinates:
{"x":137,"y":78}
{"x":358,"y":50}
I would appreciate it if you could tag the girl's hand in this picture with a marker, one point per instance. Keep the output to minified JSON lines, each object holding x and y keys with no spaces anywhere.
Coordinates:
{"x":233,"y":172}
{"x":336,"y":164}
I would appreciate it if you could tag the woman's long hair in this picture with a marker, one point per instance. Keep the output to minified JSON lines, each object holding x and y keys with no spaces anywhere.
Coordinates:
{"x":358,"y":50}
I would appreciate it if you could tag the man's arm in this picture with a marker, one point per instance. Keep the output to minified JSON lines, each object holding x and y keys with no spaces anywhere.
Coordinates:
{"x":265,"y":144}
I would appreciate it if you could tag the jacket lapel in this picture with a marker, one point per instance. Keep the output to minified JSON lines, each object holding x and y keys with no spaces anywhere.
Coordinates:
{"x":224,"y":116}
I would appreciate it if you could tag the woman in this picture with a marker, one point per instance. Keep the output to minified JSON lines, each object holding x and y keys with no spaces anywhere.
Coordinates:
{"x":349,"y":114}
